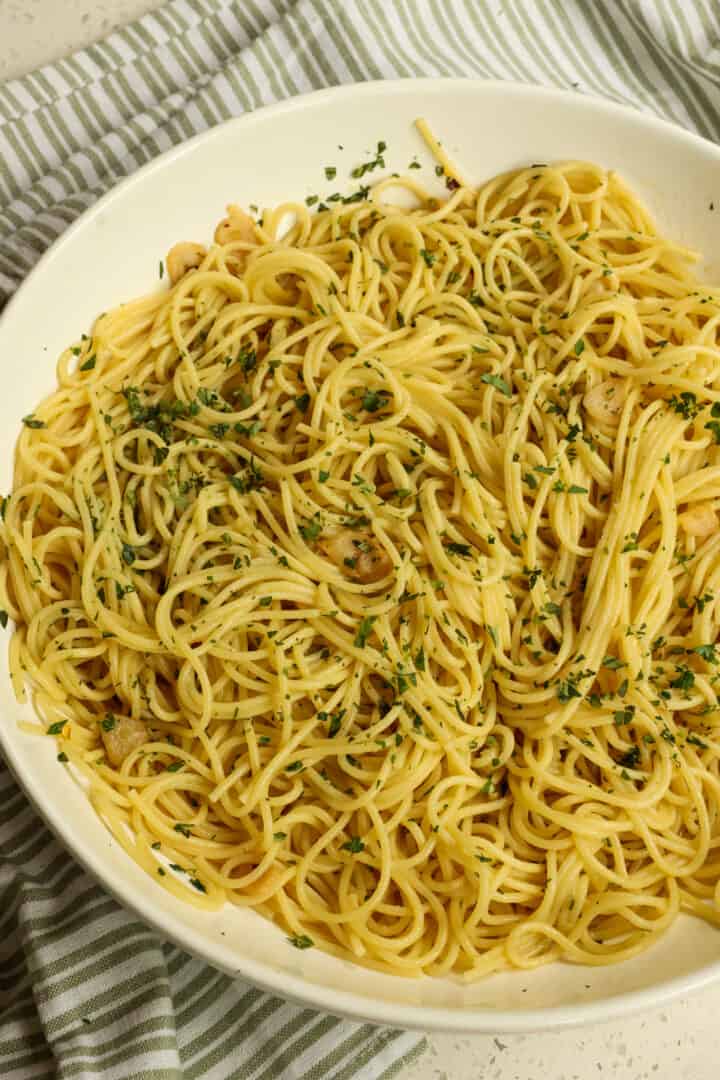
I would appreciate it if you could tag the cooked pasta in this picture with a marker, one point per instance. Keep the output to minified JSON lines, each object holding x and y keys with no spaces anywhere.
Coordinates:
{"x":368,"y":574}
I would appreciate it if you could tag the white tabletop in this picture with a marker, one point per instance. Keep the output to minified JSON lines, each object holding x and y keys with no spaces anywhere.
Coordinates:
{"x":679,"y":1042}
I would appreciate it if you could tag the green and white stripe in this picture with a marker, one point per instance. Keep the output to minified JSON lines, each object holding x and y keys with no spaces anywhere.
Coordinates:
{"x":85,"y":990}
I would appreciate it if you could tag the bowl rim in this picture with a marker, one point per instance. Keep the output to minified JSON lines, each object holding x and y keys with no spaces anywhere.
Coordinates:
{"x":361,"y":1007}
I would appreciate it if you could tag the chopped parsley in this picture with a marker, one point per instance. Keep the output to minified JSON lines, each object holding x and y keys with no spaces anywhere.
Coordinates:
{"x":247,"y":359}
{"x":497,"y":382}
{"x":364,"y":631}
{"x":567,"y":690}
{"x":532,"y":576}
{"x":378,"y":162}
{"x":685,"y":404}
{"x":128,"y":554}
{"x":311,"y":530}
{"x":631,"y":759}
{"x":463,"y":550}
{"x":354,"y":845}
{"x":685,"y":680}
{"x":335,"y":721}
{"x":714,"y":427}
{"x":707,"y":652}
{"x":249,"y":479}
{"x":375,"y":399}
{"x":301,"y":941}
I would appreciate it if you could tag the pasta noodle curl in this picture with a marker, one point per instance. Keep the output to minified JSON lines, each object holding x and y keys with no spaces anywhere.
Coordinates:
{"x":368,"y":574}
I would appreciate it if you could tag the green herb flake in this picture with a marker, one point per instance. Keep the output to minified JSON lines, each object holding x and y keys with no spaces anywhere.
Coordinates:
{"x":685,"y":679}
{"x":567,"y":690}
{"x":373,"y":400}
{"x":354,"y":845}
{"x":463,"y":550}
{"x":301,"y":941}
{"x":497,"y":382}
{"x":311,"y":530}
{"x":685,"y":404}
{"x":707,"y":652}
{"x":364,"y":631}
{"x":335,"y":721}
{"x":631,"y":759}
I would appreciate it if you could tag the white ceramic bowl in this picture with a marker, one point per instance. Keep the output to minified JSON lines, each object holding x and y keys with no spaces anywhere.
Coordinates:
{"x":112,"y":253}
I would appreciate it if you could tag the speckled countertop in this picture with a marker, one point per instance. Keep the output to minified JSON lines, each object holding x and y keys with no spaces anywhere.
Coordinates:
{"x":679,"y":1042}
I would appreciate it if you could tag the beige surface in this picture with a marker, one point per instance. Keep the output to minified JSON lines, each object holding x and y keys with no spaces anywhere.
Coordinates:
{"x":33,"y":32}
{"x":681,"y":1042}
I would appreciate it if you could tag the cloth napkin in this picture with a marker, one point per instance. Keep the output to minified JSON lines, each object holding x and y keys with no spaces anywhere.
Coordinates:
{"x":85,"y":989}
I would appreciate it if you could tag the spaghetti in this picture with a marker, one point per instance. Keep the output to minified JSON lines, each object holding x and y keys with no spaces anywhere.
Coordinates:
{"x":369,"y":574}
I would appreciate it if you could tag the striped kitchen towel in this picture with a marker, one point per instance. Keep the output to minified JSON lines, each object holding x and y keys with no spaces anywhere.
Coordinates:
{"x":85,"y":989}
